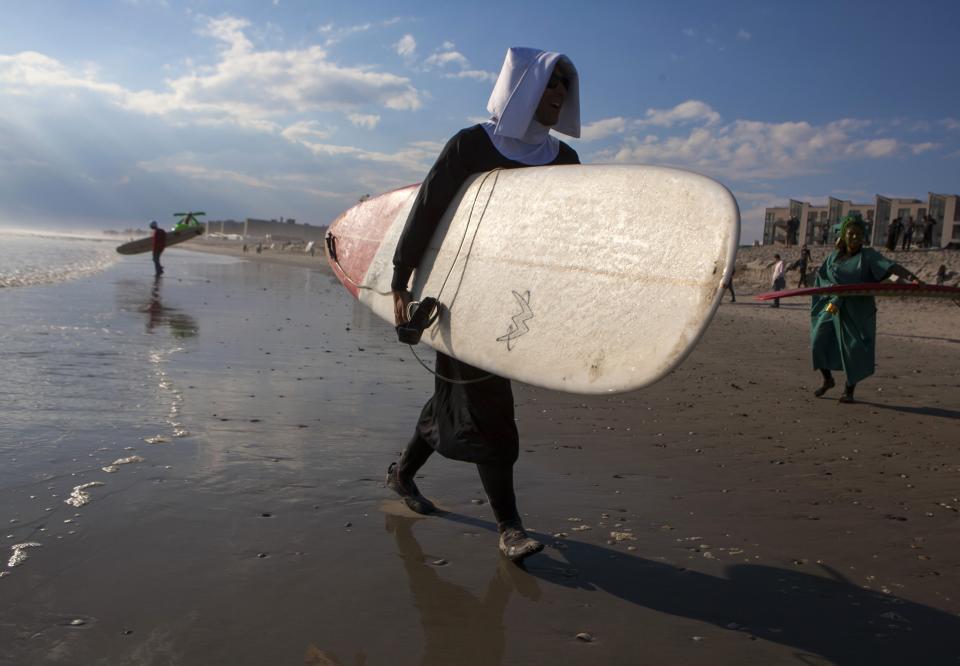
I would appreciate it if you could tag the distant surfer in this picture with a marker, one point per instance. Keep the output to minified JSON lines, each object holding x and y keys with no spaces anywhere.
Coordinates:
{"x":159,"y":244}
{"x":843,"y":330}
{"x":467,"y":419}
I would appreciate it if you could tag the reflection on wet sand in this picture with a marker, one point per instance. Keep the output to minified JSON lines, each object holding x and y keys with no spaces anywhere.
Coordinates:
{"x":137,"y":296}
{"x":181,"y":325}
{"x":458,"y":627}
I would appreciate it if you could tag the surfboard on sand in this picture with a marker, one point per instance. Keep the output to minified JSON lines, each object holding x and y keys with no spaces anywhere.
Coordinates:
{"x":146,"y":244}
{"x":586,"y":279}
{"x":867,"y":289}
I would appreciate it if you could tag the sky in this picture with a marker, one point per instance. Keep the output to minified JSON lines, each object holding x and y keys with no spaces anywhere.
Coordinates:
{"x":116,"y":112}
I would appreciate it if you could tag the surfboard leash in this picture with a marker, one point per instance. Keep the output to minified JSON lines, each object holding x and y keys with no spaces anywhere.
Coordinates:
{"x":446,"y":379}
{"x":496,"y":175}
{"x":456,"y":257}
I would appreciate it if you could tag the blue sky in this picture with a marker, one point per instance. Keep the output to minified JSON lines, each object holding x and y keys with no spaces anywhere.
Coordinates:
{"x":118,"y":112}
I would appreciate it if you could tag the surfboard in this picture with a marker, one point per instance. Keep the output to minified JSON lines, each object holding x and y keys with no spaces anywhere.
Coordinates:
{"x":586,"y":279}
{"x":146,"y":244}
{"x":867,"y":289}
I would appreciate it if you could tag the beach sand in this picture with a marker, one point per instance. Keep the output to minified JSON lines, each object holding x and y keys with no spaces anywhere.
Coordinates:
{"x":721,"y":516}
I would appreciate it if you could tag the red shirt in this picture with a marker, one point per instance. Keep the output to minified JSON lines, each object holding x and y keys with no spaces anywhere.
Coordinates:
{"x":159,"y":240}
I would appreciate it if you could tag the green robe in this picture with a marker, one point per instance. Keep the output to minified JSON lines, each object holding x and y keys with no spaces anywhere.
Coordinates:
{"x":847,"y":340}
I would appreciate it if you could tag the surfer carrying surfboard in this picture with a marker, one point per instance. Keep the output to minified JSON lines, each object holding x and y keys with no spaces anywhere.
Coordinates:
{"x":470,"y":416}
{"x":843,"y":330}
{"x":159,"y":244}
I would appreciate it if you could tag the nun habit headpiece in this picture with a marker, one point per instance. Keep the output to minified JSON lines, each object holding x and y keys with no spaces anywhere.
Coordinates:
{"x":512,"y":128}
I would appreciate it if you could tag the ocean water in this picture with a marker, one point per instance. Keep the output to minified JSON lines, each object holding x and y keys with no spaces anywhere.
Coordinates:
{"x":35,"y":259}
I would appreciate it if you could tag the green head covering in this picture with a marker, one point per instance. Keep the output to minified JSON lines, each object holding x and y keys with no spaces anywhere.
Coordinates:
{"x":846,"y":222}
{"x":841,"y":229}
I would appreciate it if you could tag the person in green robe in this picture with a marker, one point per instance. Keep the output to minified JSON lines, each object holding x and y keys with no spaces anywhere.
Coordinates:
{"x":843,"y":329}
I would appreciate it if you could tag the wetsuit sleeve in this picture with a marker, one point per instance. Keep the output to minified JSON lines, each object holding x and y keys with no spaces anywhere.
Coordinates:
{"x":436,"y":192}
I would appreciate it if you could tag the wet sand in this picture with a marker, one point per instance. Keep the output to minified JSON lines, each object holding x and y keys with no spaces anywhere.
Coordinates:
{"x":722,"y":516}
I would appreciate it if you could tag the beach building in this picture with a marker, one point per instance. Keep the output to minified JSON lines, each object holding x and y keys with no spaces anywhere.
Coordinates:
{"x":253,"y":229}
{"x":812,"y":225}
{"x":891,"y":208}
{"x":815,"y":223}
{"x":945,"y":209}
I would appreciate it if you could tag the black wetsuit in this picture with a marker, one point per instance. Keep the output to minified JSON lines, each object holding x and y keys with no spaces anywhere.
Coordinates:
{"x":470,"y":422}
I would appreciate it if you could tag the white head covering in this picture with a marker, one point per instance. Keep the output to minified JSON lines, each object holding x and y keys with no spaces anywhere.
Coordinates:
{"x":512,"y":128}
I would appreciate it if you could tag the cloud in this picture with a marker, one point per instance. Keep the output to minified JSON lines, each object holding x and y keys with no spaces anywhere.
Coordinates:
{"x":241,"y":127}
{"x":920,"y":148}
{"x":685,"y":112}
{"x":601,"y":129}
{"x":445,"y":58}
{"x":951,"y":123}
{"x":689,"y":32}
{"x":692,"y":135}
{"x":188,"y":166}
{"x":415,"y":159}
{"x":29,"y":72}
{"x":406,"y":47}
{"x":336,"y":35}
{"x":307,"y":130}
{"x":246,"y":87}
{"x":366,"y":121}
{"x":874,"y":148}
{"x":743,"y":34}
{"x":476,"y":74}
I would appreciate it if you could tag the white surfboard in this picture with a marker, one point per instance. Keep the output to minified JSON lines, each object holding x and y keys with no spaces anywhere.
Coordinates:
{"x":586,"y":279}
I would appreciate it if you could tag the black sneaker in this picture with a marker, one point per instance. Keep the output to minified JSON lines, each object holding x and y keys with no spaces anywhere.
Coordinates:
{"x":515,"y":544}
{"x":827,"y":385}
{"x":408,"y":491}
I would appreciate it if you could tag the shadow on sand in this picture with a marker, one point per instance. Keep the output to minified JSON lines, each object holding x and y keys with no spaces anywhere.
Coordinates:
{"x":824,"y":616}
{"x":919,"y":411}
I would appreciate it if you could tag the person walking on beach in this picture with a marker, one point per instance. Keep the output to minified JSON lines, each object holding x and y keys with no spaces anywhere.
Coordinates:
{"x":793,"y":229}
{"x":893,"y":234}
{"x":159,"y":244}
{"x":843,"y":330}
{"x":907,"y":234}
{"x":929,"y":222}
{"x":779,"y":281}
{"x":802,"y":264}
{"x":729,"y":286}
{"x":470,"y":416}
